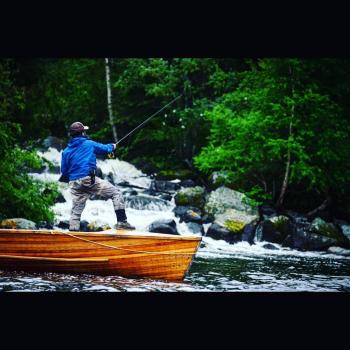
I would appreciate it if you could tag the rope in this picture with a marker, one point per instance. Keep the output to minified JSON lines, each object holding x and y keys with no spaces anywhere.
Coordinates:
{"x":119,"y":248}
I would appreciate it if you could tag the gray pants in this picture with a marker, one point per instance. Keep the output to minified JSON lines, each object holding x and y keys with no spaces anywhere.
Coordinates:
{"x":81,"y":190}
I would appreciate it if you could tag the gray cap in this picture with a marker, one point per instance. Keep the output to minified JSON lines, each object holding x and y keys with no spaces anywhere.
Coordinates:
{"x":78,"y":127}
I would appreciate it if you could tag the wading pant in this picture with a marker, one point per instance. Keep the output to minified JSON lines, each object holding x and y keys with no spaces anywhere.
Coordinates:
{"x":81,"y":190}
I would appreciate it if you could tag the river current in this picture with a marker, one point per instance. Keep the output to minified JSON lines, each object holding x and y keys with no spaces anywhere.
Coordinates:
{"x":217,"y":266}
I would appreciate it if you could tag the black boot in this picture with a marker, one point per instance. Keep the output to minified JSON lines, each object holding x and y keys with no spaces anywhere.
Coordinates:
{"x":122,"y":220}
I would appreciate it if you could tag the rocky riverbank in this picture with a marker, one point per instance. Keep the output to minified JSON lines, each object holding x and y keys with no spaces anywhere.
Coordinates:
{"x":221,"y":213}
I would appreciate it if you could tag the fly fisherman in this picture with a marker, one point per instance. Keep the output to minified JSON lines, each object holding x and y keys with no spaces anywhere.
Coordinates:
{"x":78,"y":166}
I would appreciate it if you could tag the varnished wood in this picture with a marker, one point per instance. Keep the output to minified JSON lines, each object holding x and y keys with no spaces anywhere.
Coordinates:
{"x":135,"y":254}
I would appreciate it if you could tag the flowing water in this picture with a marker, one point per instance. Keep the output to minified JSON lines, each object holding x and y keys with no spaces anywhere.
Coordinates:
{"x":218,"y":266}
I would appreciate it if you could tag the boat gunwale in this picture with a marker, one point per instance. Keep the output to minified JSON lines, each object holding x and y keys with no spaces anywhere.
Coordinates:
{"x":152,"y":235}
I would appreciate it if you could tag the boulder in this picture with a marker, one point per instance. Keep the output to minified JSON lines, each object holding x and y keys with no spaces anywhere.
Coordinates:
{"x":187,"y":183}
{"x":338,"y":250}
{"x":60,"y":199}
{"x":195,"y":228}
{"x":235,"y":220}
{"x":344,"y":227}
{"x":167,"y":226}
{"x":276,"y":229}
{"x":18,"y":223}
{"x":164,"y":186}
{"x":54,"y":142}
{"x":328,"y":230}
{"x":306,"y":240}
{"x":95,"y":227}
{"x":44,"y":225}
{"x":249,"y":233}
{"x":218,"y":232}
{"x":191,"y":196}
{"x":188,"y":214}
{"x":64,"y":224}
{"x":270,"y":246}
{"x":142,"y":202}
{"x":224,"y":198}
{"x":267,"y":211}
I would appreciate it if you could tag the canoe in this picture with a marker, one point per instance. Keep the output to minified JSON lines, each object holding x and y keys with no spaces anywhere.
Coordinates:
{"x":112,"y":252}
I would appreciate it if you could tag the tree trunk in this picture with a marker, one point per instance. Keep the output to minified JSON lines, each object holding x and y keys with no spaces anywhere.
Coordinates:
{"x":323,"y":206}
{"x":286,"y":173}
{"x":109,"y":100}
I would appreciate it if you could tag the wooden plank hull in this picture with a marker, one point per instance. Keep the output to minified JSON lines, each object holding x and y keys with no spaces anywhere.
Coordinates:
{"x":123,"y":253}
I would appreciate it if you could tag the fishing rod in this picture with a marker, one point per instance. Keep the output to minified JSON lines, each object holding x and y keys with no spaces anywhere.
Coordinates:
{"x":144,"y":122}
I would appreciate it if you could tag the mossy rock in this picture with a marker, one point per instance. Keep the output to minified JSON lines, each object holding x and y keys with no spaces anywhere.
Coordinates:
{"x":282,"y":224}
{"x":234,"y":226}
{"x":191,"y":196}
{"x":320,"y":227}
{"x":18,"y":223}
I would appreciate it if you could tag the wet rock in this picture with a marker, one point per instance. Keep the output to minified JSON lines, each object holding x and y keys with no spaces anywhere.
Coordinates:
{"x":218,"y":232}
{"x":164,"y":186}
{"x":195,"y":228}
{"x":224,"y":198}
{"x":270,"y":246}
{"x":249,"y":233}
{"x":142,"y":202}
{"x":95,"y":227}
{"x":44,"y":225}
{"x":203,"y":245}
{"x":187,"y":183}
{"x":188,"y":214}
{"x":191,"y":196}
{"x":110,"y":178}
{"x":60,"y":199}
{"x":167,"y":226}
{"x":99,"y":173}
{"x":54,"y":142}
{"x":276,"y":229}
{"x":235,"y":220}
{"x":166,"y":197}
{"x":64,"y":224}
{"x":338,"y":250}
{"x":306,"y":240}
{"x":344,"y":228}
{"x":18,"y":223}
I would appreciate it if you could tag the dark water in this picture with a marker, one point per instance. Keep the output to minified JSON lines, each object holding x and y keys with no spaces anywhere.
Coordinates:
{"x":238,"y":268}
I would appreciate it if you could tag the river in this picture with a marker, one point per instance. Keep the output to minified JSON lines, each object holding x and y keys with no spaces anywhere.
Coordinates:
{"x":217,"y":266}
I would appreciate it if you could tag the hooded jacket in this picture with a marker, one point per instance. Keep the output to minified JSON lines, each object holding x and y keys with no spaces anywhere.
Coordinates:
{"x":79,"y":157}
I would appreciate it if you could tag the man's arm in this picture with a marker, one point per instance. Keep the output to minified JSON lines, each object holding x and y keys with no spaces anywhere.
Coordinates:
{"x":100,"y":148}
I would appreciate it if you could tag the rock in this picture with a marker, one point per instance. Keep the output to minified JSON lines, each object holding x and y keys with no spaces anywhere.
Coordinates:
{"x":60,"y":199}
{"x":167,"y":226}
{"x":142,"y":202}
{"x":63,"y":224}
{"x":306,"y":240}
{"x":188,"y":214}
{"x":110,"y":178}
{"x":270,"y":246}
{"x":164,"y":186}
{"x":338,"y":250}
{"x":187,"y":183}
{"x":166,"y":197}
{"x":344,"y":227}
{"x":191,"y":196}
{"x":329,"y":230}
{"x":18,"y":223}
{"x":99,"y":173}
{"x":224,"y":198}
{"x":235,"y":220}
{"x":54,"y":142}
{"x":44,"y":225}
{"x":195,"y":228}
{"x":249,"y":233}
{"x":275,"y":229}
{"x":218,"y":232}
{"x":95,"y":227}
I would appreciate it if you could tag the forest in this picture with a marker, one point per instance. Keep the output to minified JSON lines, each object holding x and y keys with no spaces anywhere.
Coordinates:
{"x":276,"y":129}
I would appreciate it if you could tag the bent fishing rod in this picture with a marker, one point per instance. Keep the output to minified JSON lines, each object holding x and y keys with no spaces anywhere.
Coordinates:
{"x":144,"y":122}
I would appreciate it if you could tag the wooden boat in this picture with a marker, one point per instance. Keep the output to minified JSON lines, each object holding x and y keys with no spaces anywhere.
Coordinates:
{"x":111,"y":252}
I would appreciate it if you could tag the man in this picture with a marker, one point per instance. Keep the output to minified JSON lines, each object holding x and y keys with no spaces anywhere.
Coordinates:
{"x":78,"y":166}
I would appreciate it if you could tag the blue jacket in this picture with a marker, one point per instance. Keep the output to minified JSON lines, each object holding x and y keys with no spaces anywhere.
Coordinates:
{"x":79,"y":157}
